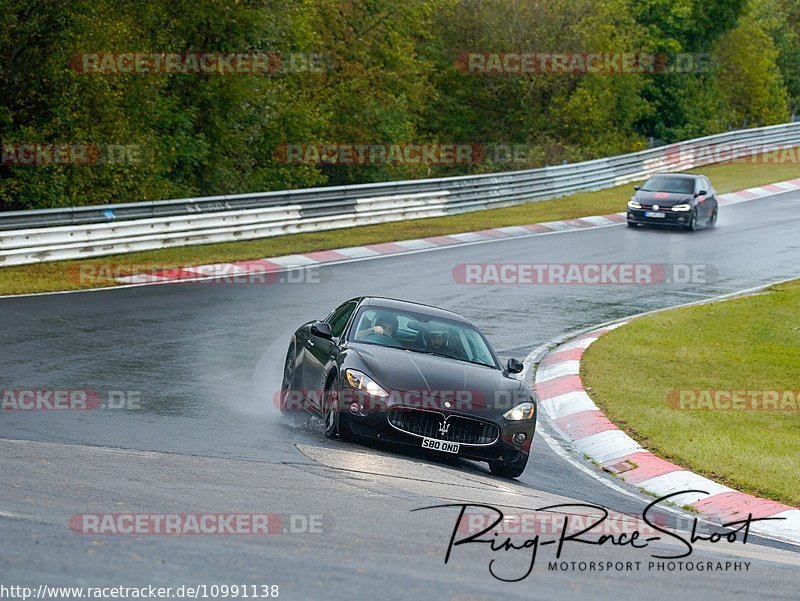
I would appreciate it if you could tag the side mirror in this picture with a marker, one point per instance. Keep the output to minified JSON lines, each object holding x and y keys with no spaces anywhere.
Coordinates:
{"x":701,"y":193}
{"x":637,"y":188}
{"x":514,"y":367}
{"x":322,"y":329}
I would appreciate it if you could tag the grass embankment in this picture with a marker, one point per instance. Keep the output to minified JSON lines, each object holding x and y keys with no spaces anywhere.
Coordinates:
{"x":749,"y":344}
{"x":62,"y":275}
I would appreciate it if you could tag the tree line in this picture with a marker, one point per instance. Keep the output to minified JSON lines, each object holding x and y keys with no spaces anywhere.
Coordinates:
{"x":105,"y":102}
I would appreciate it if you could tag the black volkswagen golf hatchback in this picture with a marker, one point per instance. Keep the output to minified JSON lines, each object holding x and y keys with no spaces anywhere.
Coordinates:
{"x":673,"y":199}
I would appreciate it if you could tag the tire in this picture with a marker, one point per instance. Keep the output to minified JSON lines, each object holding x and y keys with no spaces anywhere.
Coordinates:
{"x":692,"y":226}
{"x":508,"y":470}
{"x":631,"y":224}
{"x":712,"y":221}
{"x":287,"y":384}
{"x":333,"y":422}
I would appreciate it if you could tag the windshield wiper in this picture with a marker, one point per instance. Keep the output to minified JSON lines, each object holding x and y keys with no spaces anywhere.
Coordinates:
{"x":429,"y":352}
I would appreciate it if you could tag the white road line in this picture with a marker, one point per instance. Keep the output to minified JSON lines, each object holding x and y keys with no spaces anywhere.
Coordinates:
{"x":671,"y":482}
{"x":564,"y":368}
{"x":607,"y":445}
{"x":568,"y":404}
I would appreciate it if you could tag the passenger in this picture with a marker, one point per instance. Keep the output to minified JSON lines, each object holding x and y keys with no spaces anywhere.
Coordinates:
{"x":385,"y":323}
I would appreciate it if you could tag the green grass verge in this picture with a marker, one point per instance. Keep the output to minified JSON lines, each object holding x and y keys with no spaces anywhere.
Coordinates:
{"x":749,"y":343}
{"x":61,"y":275}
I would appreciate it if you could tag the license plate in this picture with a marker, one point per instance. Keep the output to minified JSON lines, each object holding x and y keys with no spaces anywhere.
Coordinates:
{"x":440,"y":445}
{"x":654,"y":214}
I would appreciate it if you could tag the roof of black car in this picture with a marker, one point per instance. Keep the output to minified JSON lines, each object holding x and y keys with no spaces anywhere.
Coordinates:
{"x":393,"y":303}
{"x":683,"y":175}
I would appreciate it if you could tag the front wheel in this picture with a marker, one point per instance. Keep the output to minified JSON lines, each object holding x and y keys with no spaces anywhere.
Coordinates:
{"x":712,"y":221}
{"x":287,"y":384}
{"x":508,"y":469}
{"x":692,"y":226}
{"x":332,"y":418}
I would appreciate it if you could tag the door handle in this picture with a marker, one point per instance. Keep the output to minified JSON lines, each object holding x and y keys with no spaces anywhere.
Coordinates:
{"x":310,"y":343}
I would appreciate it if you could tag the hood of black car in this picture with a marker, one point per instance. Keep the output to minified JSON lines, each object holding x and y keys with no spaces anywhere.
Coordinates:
{"x":432,"y":376}
{"x":664,"y":199}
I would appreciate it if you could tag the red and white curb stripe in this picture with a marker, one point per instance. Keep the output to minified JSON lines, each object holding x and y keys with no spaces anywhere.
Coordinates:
{"x":577,"y":419}
{"x":283,"y":263}
{"x":758,"y":192}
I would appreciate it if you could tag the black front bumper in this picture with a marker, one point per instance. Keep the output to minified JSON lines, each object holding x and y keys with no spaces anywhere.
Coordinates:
{"x":670,"y":218}
{"x":375,"y":425}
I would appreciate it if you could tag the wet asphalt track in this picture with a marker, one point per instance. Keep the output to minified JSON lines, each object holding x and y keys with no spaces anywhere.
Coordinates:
{"x":205,"y":360}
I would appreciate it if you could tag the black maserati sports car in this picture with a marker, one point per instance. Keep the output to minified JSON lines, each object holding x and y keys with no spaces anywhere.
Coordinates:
{"x":401,"y":372}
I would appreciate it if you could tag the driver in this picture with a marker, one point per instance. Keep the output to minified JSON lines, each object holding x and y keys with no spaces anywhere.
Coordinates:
{"x":438,"y":340}
{"x":385,"y":323}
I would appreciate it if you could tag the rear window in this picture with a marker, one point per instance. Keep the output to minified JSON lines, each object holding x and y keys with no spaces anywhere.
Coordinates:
{"x":675,"y":185}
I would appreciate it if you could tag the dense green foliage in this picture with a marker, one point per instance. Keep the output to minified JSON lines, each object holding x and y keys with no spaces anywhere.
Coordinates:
{"x":390,"y":76}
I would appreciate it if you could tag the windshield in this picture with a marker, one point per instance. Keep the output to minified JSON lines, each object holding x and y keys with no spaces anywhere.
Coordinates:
{"x":675,"y":185}
{"x":422,"y":333}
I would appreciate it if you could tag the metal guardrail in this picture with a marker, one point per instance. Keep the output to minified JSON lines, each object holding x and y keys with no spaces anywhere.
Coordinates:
{"x":77,"y":232}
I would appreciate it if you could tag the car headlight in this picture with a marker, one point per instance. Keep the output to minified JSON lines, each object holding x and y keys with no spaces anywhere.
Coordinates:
{"x":682,"y":208}
{"x":632,"y":204}
{"x":361,"y":381}
{"x":520,"y":412}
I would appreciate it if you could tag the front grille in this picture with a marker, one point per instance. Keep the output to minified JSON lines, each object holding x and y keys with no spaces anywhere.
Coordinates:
{"x":463,"y":430}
